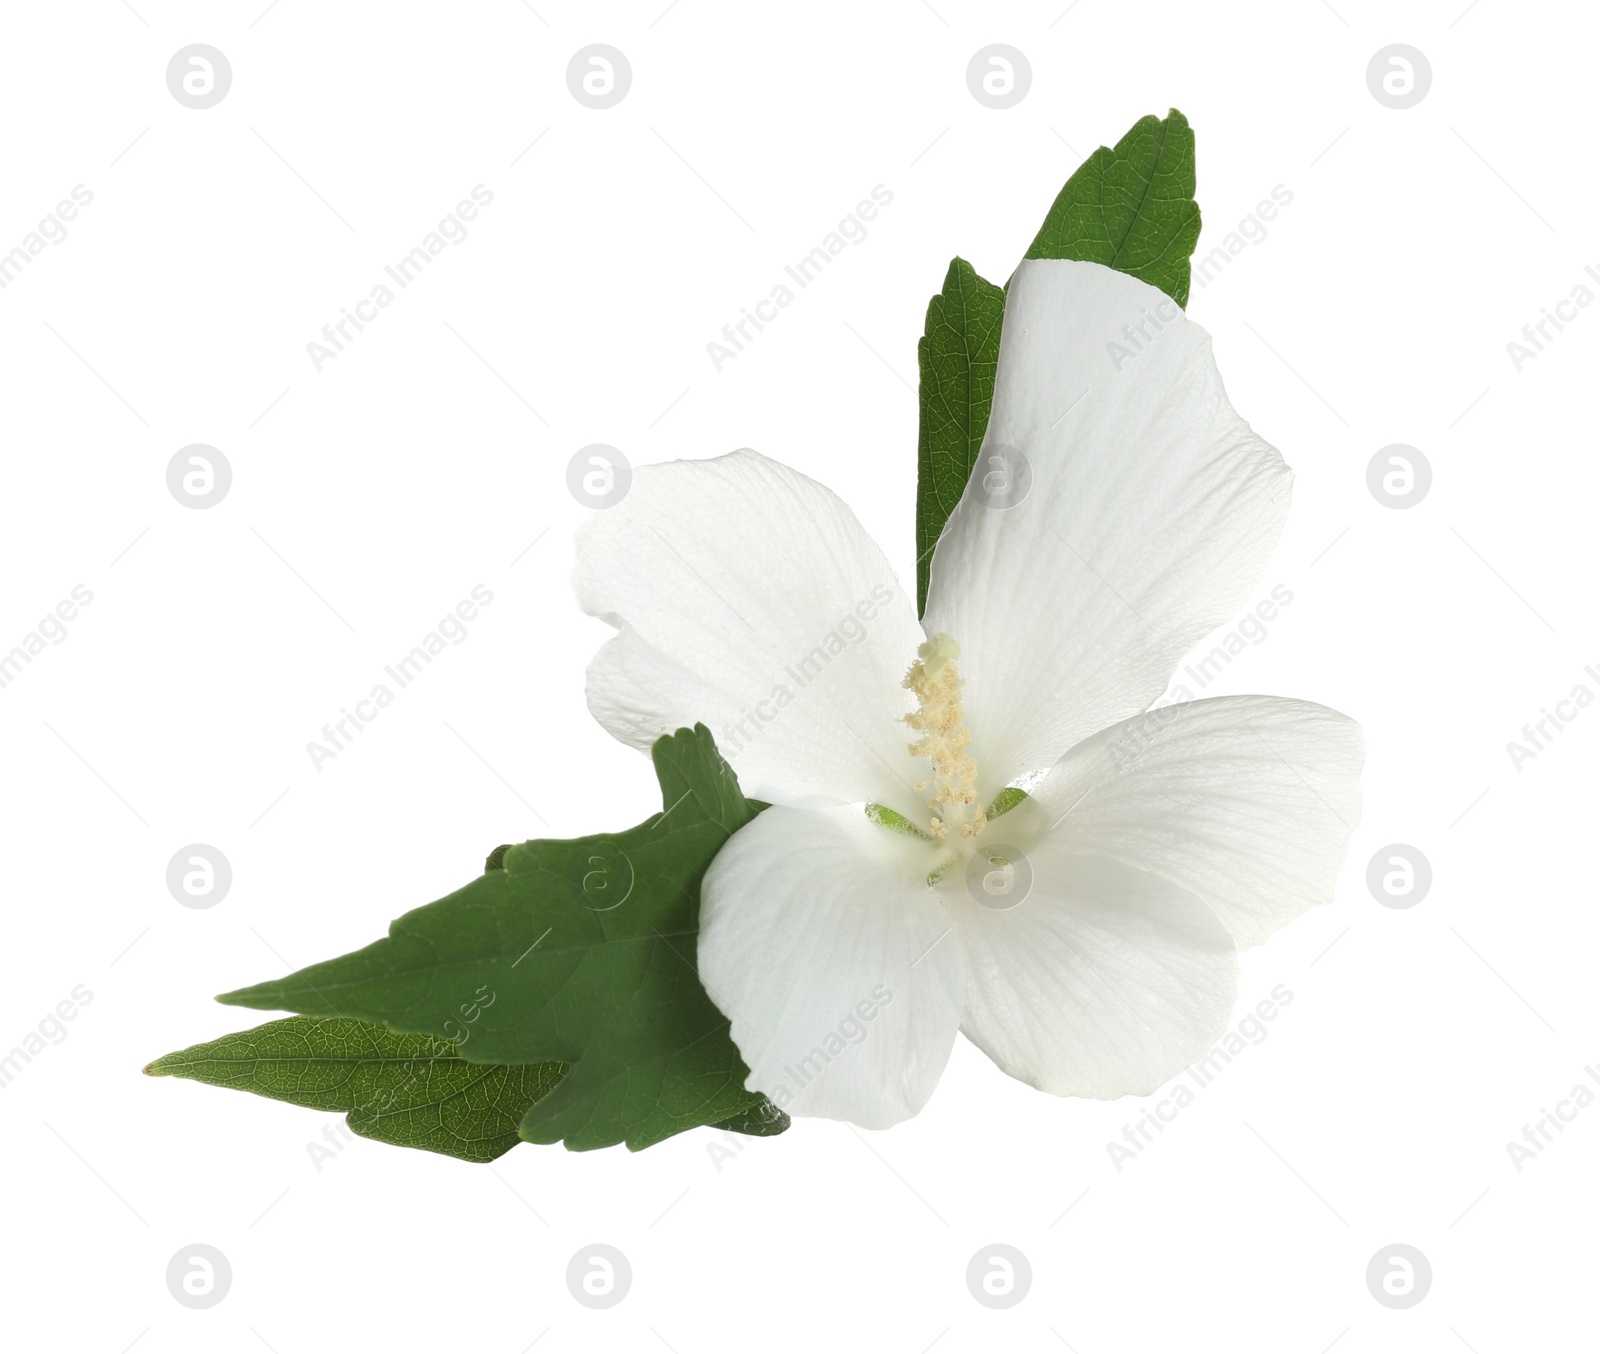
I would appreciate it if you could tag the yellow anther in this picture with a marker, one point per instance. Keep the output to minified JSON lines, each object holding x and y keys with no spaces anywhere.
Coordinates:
{"x":940,"y":720}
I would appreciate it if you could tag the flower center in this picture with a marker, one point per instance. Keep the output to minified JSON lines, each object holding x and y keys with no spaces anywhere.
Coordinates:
{"x":943,"y":738}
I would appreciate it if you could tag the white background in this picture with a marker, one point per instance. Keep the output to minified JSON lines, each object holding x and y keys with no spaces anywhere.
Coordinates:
{"x":430,"y":456}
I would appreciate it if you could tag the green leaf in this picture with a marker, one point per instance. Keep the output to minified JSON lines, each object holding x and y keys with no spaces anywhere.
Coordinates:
{"x":579,"y":952}
{"x":956,"y":362}
{"x":765,"y":1120}
{"x":407,"y":1089}
{"x":1131,"y":208}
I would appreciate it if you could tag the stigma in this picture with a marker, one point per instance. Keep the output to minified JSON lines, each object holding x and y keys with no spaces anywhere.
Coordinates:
{"x":941,"y":725}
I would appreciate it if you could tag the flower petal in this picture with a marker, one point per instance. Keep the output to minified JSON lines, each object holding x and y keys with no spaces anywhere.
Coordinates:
{"x":1153,"y":509}
{"x":1104,"y":981}
{"x":821,"y":942}
{"x":750,"y":599}
{"x":1246,"y":801}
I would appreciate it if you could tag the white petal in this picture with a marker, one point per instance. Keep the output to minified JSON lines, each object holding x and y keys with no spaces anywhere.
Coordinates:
{"x":1152,"y":512}
{"x":750,"y":599}
{"x":1246,"y":801}
{"x":1105,"y":981}
{"x":821,"y":942}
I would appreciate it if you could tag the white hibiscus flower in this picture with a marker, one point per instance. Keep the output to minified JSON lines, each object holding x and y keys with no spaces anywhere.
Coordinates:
{"x":899,"y":889}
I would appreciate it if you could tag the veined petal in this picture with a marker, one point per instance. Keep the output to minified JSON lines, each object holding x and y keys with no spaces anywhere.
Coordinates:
{"x":750,"y":599}
{"x":1104,"y":981}
{"x":1246,"y":801}
{"x":1150,"y":512}
{"x":823,"y":945}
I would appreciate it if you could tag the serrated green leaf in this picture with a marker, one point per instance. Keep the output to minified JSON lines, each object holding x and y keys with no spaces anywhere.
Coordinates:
{"x":1131,"y":208}
{"x":956,"y":362}
{"x":411,"y":1090}
{"x":579,"y":952}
